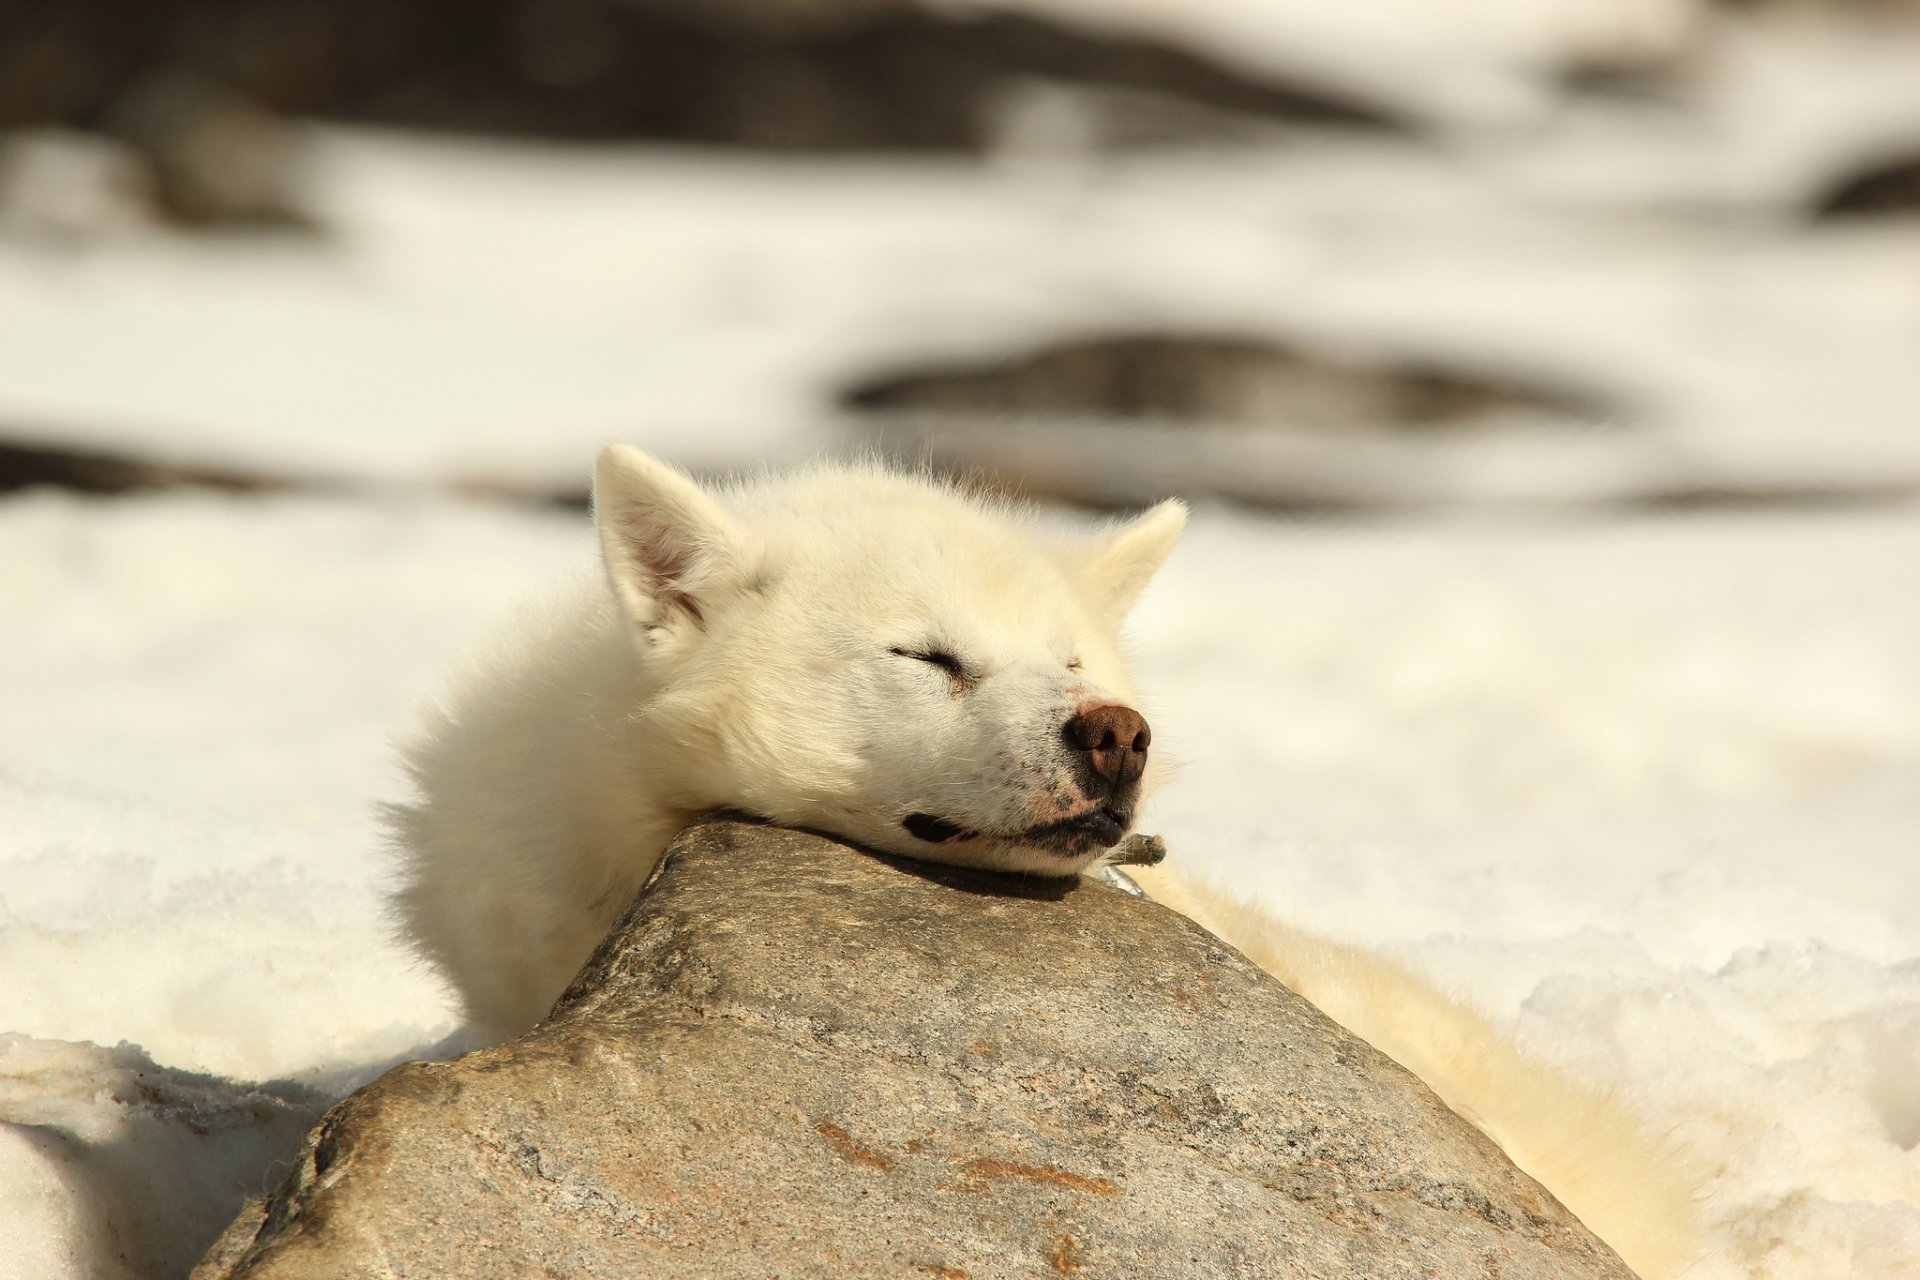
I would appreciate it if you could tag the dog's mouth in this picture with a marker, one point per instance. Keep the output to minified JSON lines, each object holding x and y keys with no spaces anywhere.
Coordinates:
{"x":1074,"y":837}
{"x":1085,"y":833}
{"x":924,"y":826}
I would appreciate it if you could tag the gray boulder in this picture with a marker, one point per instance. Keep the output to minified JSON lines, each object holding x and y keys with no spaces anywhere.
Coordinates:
{"x":794,"y":1059}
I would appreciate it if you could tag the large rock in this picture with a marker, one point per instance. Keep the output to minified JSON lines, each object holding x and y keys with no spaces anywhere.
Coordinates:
{"x":793,"y":1059}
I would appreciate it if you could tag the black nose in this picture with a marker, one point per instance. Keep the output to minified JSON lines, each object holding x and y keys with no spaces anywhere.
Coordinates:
{"x":1114,"y":740}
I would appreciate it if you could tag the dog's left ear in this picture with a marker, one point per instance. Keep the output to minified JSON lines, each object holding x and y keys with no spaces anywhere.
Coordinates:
{"x":1115,"y":568}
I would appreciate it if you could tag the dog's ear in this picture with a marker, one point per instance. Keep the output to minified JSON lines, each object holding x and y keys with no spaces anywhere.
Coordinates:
{"x":1114,"y":568}
{"x":669,"y":548}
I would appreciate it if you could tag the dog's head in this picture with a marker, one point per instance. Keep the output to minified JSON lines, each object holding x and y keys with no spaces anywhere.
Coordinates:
{"x":878,"y":656}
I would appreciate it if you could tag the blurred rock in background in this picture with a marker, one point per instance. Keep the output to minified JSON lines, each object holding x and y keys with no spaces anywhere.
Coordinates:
{"x":195,"y":86}
{"x":1220,"y":378}
{"x":1889,"y":185}
{"x":27,"y":465}
{"x":1266,"y":421}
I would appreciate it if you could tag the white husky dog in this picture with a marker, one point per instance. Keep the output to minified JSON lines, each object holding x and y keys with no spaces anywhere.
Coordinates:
{"x":882,"y":657}
{"x":847,"y":649}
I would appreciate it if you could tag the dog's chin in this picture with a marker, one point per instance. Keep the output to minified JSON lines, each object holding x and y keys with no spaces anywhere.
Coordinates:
{"x":1061,"y":848}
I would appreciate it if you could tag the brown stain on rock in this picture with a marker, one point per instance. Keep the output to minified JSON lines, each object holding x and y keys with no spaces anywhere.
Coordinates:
{"x":1197,"y":997}
{"x":943,"y":1273}
{"x":843,"y":1142}
{"x":1066,"y":1256}
{"x":981,"y":1170}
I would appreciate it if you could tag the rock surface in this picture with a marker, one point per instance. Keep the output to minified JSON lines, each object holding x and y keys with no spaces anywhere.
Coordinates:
{"x":793,"y":1059}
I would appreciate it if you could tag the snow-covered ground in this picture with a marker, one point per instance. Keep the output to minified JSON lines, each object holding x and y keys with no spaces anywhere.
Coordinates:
{"x":1646,"y":789}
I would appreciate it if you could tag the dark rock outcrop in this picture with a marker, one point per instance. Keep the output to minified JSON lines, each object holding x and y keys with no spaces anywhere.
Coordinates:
{"x":25,"y":465}
{"x":1886,"y":187}
{"x":794,"y":1059}
{"x":831,"y":74}
{"x":1221,"y":378}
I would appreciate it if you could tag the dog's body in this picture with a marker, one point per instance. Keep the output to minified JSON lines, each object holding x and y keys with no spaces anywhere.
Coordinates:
{"x":880,"y":657}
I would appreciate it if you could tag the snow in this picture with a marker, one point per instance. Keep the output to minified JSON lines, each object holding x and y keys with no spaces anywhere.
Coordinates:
{"x":113,"y":1166}
{"x":1645,"y":788}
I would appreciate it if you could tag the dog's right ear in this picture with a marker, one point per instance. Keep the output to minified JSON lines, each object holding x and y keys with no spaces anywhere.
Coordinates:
{"x":669,"y":548}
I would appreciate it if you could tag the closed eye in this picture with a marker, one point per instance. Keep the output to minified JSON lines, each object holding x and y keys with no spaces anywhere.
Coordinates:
{"x":936,"y":658}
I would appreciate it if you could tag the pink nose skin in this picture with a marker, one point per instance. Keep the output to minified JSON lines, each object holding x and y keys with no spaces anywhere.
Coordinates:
{"x":1114,"y":739}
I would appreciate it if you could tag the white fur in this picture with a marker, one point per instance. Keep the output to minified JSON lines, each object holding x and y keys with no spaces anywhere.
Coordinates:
{"x":751,"y":649}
